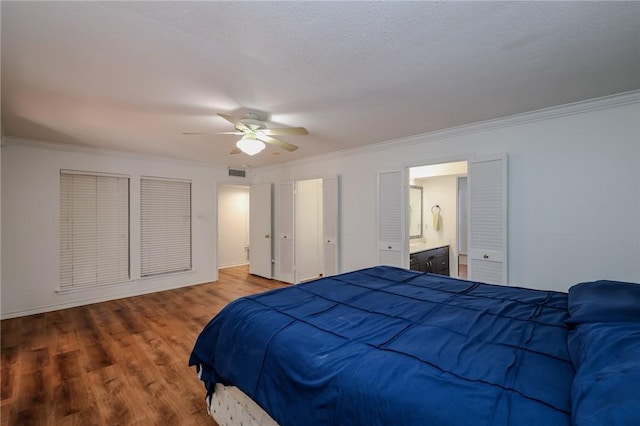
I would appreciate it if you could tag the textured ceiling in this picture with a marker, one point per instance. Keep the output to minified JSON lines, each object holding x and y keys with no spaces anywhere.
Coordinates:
{"x":133,"y":76}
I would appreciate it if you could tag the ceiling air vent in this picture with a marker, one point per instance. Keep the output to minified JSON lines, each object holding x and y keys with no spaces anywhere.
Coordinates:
{"x":237,"y":172}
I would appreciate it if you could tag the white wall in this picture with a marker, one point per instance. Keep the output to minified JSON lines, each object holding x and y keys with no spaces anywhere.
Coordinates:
{"x":30,"y":223}
{"x":444,"y":169}
{"x":233,"y":225}
{"x":574,"y":189}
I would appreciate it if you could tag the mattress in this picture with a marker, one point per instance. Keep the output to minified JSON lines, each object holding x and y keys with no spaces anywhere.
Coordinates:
{"x":229,"y":406}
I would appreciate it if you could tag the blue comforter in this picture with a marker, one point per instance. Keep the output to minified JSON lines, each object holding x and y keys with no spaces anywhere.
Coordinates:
{"x":390,"y":346}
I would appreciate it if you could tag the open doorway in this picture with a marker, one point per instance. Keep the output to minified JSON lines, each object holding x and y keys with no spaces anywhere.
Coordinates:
{"x":233,"y":225}
{"x":487,"y":222}
{"x":437,"y":219}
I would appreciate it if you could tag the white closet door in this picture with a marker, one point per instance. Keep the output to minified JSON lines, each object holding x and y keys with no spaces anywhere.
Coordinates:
{"x":285,"y":226}
{"x":260,"y":246}
{"x":392,"y":249}
{"x":330,"y":225}
{"x":488,"y":219}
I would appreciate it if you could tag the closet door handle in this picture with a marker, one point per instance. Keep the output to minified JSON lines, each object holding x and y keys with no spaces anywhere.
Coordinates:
{"x":486,"y":256}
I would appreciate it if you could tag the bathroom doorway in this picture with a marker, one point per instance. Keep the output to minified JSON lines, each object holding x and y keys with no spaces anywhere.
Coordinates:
{"x":443,"y":217}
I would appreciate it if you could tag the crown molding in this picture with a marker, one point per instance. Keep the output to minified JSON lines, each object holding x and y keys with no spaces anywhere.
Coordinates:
{"x":580,"y":107}
{"x":605,"y":102}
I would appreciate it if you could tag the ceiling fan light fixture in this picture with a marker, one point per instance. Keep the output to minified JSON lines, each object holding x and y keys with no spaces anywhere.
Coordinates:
{"x":250,"y":145}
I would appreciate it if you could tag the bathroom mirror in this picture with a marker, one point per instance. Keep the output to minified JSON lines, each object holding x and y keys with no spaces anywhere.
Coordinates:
{"x":415,"y":211}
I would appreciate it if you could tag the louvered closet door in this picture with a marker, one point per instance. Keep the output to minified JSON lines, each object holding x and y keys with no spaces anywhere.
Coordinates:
{"x":285,"y":222}
{"x":391,"y":221}
{"x":488,"y":219}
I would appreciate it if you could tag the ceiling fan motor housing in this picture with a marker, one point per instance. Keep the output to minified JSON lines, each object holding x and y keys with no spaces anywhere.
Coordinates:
{"x":252,"y":124}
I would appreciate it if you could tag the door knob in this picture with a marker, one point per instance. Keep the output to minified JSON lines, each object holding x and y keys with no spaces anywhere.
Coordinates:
{"x":266,"y":235}
{"x":486,"y":256}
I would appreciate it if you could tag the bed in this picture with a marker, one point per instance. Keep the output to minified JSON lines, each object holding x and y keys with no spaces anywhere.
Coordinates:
{"x":385,"y":345}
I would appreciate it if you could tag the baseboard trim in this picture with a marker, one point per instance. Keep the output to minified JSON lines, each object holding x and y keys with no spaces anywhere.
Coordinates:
{"x":91,"y":301}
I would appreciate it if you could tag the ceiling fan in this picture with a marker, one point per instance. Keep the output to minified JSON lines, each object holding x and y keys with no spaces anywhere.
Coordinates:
{"x":255,"y":134}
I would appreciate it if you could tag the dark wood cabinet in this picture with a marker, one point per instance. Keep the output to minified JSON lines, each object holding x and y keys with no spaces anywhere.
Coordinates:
{"x":435,"y":261}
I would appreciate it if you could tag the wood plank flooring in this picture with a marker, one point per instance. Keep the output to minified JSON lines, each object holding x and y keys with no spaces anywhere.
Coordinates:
{"x":122,"y":362}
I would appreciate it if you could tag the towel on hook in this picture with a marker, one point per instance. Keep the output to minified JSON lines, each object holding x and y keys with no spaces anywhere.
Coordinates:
{"x":437,"y":221}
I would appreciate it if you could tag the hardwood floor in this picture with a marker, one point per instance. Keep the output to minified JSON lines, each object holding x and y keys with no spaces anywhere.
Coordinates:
{"x":122,"y":362}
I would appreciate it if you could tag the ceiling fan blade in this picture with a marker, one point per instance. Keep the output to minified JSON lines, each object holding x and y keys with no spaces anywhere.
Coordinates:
{"x":235,"y":150}
{"x":231,"y":133}
{"x":237,"y":124}
{"x":195,"y":133}
{"x":273,"y":141}
{"x":286,"y":131}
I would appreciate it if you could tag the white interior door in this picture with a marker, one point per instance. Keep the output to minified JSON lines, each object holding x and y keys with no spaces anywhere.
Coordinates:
{"x":308,"y":230}
{"x":285,"y":270}
{"x":330,"y":225}
{"x":487,"y":183}
{"x":392,"y":249}
{"x":260,"y":242}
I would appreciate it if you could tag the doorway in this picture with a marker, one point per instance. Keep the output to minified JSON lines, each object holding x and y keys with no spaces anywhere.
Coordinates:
{"x":442,"y":212}
{"x":233,"y":225}
{"x":487,"y":222}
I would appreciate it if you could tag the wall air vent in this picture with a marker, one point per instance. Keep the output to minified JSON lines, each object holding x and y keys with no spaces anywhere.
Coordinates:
{"x":237,"y":172}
